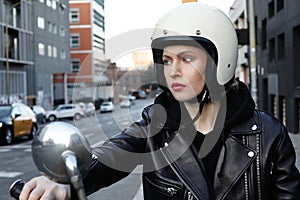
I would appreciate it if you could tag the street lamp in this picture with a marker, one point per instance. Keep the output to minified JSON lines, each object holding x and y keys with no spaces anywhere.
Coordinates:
{"x":7,"y":48}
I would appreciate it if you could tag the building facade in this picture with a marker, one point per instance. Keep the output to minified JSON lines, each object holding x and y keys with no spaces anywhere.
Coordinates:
{"x":87,"y":38}
{"x":277,"y":33}
{"x":238,"y":14}
{"x":16,"y":55}
{"x":278,"y":59}
{"x":51,"y":48}
{"x":37,"y":33}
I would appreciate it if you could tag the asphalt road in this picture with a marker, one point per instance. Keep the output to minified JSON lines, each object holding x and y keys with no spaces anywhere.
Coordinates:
{"x":16,"y":160}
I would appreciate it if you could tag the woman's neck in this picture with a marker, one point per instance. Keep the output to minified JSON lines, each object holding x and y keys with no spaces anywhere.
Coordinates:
{"x":207,"y":119}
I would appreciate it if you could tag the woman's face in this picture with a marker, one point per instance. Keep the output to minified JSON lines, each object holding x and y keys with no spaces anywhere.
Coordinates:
{"x":184,"y":70}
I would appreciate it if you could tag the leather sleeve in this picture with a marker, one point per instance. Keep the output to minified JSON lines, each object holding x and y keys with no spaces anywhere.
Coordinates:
{"x":116,"y":158}
{"x":285,"y":175}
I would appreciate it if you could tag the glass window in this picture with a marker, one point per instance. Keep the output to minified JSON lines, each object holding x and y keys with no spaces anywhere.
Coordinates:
{"x":49,"y":50}
{"x":280,"y":5}
{"x":62,"y":31}
{"x":271,"y":8}
{"x":41,"y":22}
{"x":264,"y":33}
{"x":74,"y":15}
{"x":62,"y":7}
{"x":54,"y":28}
{"x":272,"y":50}
{"x":41,"y":49}
{"x":49,"y":26}
{"x":54,"y":4}
{"x":54,"y":52}
{"x":62,"y":54}
{"x":49,"y":3}
{"x":75,"y":40}
{"x":75,"y":65}
{"x":281,"y":47}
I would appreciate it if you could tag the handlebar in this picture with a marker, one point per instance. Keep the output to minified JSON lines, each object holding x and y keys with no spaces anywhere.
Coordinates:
{"x":16,"y":188}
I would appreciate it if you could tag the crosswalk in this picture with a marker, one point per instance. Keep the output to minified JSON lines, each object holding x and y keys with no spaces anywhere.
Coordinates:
{"x":18,"y":147}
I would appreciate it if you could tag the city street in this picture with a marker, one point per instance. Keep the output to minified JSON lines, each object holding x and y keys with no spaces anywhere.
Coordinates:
{"x":16,"y":161}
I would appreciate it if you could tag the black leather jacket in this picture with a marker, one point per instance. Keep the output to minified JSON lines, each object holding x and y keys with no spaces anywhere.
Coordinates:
{"x":257,"y":159}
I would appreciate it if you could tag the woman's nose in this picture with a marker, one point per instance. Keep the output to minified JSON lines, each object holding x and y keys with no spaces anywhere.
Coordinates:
{"x":175,"y":69}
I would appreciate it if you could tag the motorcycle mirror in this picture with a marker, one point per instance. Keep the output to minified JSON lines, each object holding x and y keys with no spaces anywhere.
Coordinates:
{"x":60,"y":151}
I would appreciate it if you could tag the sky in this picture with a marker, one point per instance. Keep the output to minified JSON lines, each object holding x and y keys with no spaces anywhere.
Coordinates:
{"x":122,"y":16}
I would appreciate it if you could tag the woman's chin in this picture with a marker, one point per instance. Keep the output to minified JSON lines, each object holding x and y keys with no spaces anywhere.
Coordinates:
{"x":184,"y":97}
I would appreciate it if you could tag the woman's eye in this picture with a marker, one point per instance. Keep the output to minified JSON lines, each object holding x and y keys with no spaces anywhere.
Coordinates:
{"x":166,"y":62}
{"x":187,"y":59}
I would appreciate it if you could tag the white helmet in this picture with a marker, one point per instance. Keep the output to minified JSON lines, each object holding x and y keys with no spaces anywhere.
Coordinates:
{"x":205,"y":25}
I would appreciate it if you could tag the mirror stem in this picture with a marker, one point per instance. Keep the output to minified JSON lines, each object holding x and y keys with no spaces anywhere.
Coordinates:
{"x":71,"y":164}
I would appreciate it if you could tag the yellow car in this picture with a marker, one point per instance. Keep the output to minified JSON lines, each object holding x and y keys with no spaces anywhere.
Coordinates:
{"x":16,"y":120}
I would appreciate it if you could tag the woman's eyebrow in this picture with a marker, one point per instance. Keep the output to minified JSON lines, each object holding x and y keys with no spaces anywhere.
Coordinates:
{"x":180,"y":53}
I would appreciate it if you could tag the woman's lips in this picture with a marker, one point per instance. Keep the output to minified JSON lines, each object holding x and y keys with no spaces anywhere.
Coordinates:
{"x":177,"y":86}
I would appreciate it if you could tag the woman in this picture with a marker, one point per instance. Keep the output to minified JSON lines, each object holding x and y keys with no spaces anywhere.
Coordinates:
{"x":202,"y":138}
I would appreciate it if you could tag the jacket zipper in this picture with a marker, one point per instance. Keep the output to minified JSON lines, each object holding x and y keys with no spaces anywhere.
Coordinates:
{"x":179,"y":176}
{"x":168,"y":190}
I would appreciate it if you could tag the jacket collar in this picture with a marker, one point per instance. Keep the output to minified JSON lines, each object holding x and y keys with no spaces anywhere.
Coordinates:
{"x":249,"y":126}
{"x":236,"y":164}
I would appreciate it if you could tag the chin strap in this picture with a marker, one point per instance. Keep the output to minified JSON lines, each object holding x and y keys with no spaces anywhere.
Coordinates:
{"x":203,"y":98}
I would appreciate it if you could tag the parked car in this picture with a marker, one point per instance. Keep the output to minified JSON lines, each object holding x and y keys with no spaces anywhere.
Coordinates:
{"x":139,"y":94}
{"x":107,"y":106}
{"x":125,"y":103}
{"x":16,"y":120}
{"x":65,"y":111}
{"x":40,"y":113}
{"x":89,"y":109}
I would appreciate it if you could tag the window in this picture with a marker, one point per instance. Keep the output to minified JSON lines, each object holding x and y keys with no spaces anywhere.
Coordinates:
{"x":271,"y":8}
{"x":49,"y":27}
{"x":281,"y":47}
{"x":62,"y":31}
{"x":54,"y":4}
{"x":99,"y":42}
{"x":62,"y":54}
{"x":98,"y":19}
{"x":54,"y":28}
{"x":75,"y":38}
{"x":41,"y":49}
{"x":41,"y":22}
{"x":75,"y":65}
{"x":280,"y":5}
{"x":62,"y":7}
{"x":264,"y":33}
{"x":49,"y":50}
{"x":100,"y":2}
{"x":49,"y":3}
{"x":54,"y":52}
{"x":74,"y":15}
{"x":272,"y":50}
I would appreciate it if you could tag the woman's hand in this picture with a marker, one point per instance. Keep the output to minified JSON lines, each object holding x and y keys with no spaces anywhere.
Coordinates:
{"x":42,"y":188}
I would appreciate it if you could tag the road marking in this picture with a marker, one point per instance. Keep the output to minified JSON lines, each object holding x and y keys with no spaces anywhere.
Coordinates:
{"x":18,"y":147}
{"x":5,"y":174}
{"x":89,"y":135}
{"x":4,"y":150}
